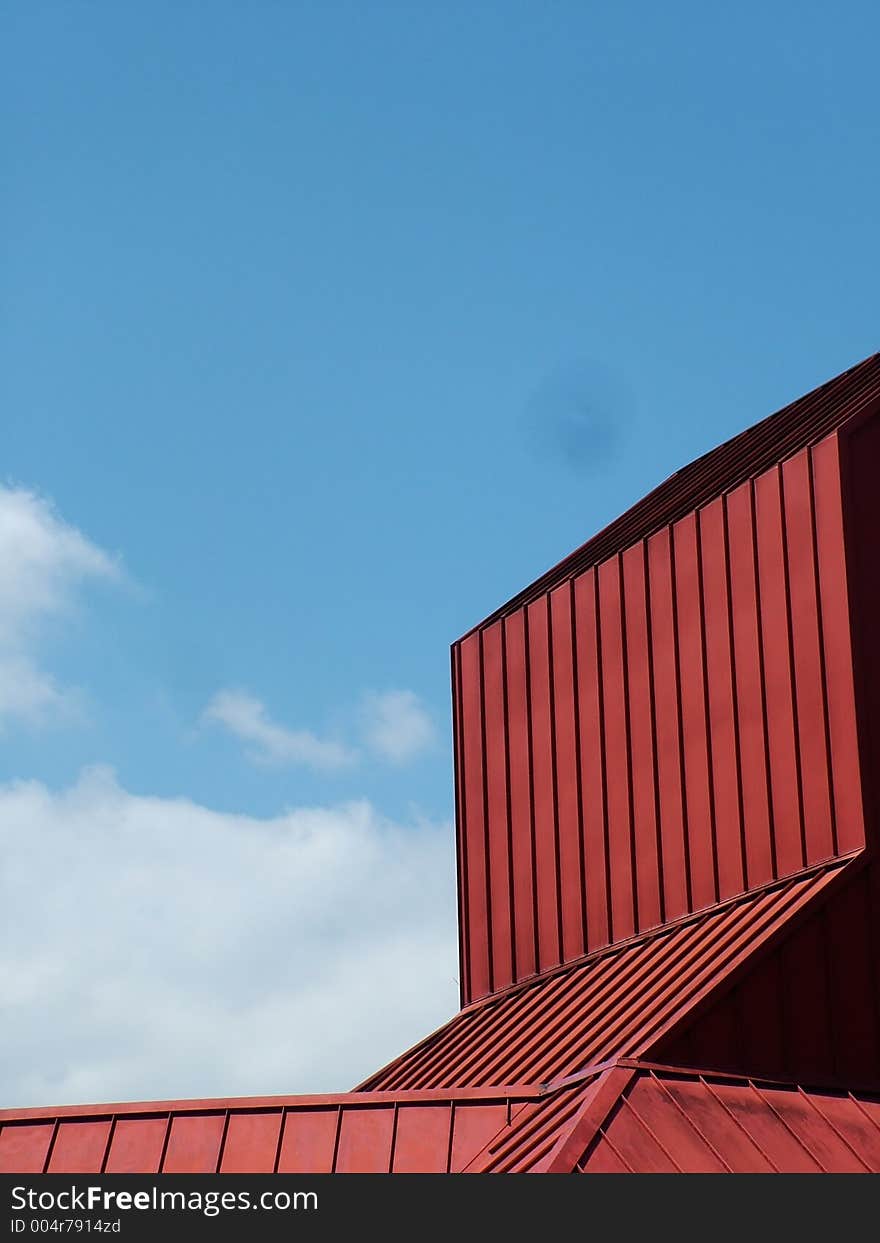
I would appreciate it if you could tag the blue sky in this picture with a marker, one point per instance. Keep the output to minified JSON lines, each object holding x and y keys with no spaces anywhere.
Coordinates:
{"x":329,"y":326}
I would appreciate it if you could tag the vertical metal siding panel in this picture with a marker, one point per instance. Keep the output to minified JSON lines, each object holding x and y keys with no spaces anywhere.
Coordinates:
{"x":620,"y":842}
{"x":79,"y":1147}
{"x":496,"y":790}
{"x":567,"y":776}
{"x":251,"y":1143}
{"x":547,"y":880}
{"x":592,"y":761}
{"x":726,"y":780}
{"x":751,"y":721}
{"x":807,"y":658}
{"x":136,"y":1147}
{"x":520,"y":795}
{"x":23,"y":1147}
{"x":775,"y":617}
{"x":365,"y":1141}
{"x":421,"y":1142}
{"x":473,"y":1127}
{"x":461,"y":845}
{"x":308,"y":1141}
{"x":693,"y":712}
{"x":193,"y":1144}
{"x":852,"y":985}
{"x":763,"y":1043}
{"x":673,"y":832}
{"x":642,"y":736}
{"x":837,"y":644}
{"x":474,"y":828}
{"x":718,"y":1035}
{"x":862,"y":498}
{"x":805,"y":999}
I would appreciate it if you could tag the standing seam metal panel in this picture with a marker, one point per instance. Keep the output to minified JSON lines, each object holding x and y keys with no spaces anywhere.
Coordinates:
{"x":710,"y":746}
{"x":670,"y":1121}
{"x":809,"y":1007}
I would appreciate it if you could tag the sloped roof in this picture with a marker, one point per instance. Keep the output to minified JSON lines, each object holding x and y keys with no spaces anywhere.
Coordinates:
{"x":538,"y":1138}
{"x":774,"y":438}
{"x":610,"y":1004}
{"x":667,"y":1120}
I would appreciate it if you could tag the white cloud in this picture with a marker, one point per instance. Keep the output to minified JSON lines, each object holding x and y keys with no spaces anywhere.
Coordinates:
{"x":153,"y":948}
{"x":44,"y":562}
{"x":396,"y":725}
{"x":245,"y":716}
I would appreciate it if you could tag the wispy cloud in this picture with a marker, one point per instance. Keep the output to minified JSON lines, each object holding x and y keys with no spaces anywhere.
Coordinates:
{"x":44,"y":565}
{"x":246,"y":717}
{"x":396,"y":725}
{"x":393,"y":726}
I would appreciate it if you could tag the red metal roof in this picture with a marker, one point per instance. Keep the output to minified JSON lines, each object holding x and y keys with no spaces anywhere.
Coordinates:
{"x":674,"y":1121}
{"x":613,"y":1003}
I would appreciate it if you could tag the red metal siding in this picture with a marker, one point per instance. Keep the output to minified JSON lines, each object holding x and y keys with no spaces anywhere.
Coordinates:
{"x":805,"y":1008}
{"x":663,"y":656}
{"x":79,"y":1147}
{"x":523,"y":903}
{"x":567,"y":773}
{"x":251,"y":1142}
{"x":591,"y":760}
{"x":837,"y":654}
{"x":706,"y":751}
{"x":422,"y":1139}
{"x":473,"y":828}
{"x":354,"y":1133}
{"x":24,"y":1147}
{"x":308,"y":1143}
{"x":861,"y":470}
{"x":136,"y":1145}
{"x":545,"y":828}
{"x":194,"y":1144}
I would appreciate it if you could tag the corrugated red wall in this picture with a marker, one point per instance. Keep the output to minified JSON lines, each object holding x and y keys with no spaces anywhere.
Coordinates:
{"x":668,"y":728}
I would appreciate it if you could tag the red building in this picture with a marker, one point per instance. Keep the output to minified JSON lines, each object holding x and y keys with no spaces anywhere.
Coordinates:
{"x":667,"y":758}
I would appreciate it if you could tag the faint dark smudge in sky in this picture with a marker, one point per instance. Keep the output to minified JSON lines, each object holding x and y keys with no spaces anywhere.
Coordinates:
{"x":578,"y":415}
